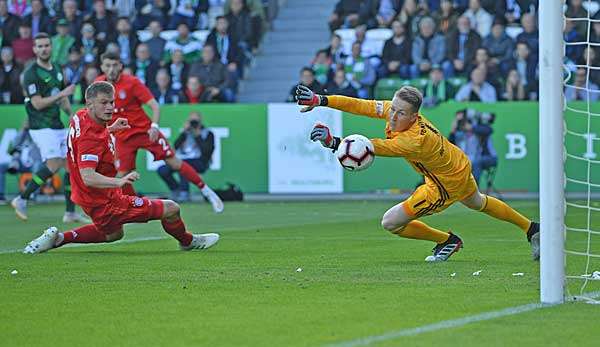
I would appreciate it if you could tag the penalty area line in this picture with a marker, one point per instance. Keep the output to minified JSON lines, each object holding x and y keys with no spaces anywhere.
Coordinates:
{"x":452,"y":323}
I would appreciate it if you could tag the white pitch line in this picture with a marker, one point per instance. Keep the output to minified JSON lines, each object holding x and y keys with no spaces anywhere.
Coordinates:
{"x":452,"y":323}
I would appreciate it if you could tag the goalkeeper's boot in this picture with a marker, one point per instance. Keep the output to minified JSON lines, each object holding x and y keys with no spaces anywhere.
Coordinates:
{"x":213,"y":198}
{"x":201,"y":241}
{"x":20,"y":206}
{"x":74,"y":217}
{"x":43,"y":243}
{"x":443,"y":251}
{"x":533,"y":236}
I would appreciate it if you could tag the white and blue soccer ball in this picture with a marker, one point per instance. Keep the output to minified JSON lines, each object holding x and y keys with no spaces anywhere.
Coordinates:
{"x":356,"y":153}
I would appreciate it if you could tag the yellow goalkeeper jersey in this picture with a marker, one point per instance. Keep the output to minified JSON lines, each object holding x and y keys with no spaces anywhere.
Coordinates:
{"x":446,"y":168}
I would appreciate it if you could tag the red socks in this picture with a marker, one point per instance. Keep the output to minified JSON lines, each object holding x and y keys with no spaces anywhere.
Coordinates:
{"x":128,"y":190}
{"x":177,"y":230}
{"x":191,"y":175}
{"x":85,"y":234}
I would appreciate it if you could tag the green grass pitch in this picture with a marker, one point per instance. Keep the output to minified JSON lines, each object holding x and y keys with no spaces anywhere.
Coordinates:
{"x":356,"y":281}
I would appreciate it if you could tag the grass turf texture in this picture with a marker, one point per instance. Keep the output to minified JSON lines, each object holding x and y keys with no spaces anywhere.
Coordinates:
{"x":356,"y":281}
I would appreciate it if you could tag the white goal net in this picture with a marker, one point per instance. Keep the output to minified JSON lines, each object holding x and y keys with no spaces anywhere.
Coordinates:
{"x":581,"y":63}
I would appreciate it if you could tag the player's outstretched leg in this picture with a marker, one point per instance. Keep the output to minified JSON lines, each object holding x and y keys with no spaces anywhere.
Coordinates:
{"x":187,"y":171}
{"x":174,"y":226}
{"x":399,"y":222}
{"x":51,"y":238}
{"x":502,"y":211}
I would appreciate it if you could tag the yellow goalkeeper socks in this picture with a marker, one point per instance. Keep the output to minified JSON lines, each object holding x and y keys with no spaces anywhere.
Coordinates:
{"x":418,"y":230}
{"x":500,"y":210}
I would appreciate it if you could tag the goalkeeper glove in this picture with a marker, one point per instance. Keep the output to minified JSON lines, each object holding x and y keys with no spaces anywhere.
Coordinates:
{"x":321,"y":132}
{"x":308,"y":98}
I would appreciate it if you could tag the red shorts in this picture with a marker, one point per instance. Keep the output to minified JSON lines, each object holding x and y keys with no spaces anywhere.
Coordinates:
{"x":127,"y":209}
{"x":127,"y":149}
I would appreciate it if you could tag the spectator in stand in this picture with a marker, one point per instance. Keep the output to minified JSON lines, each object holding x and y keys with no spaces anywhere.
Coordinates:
{"x":482,"y":59}
{"x":73,"y":70}
{"x":396,"y":53}
{"x":73,"y":19}
{"x":9,"y":24}
{"x":379,"y":13}
{"x":368,"y":49}
{"x":499,"y":45}
{"x":240,"y":26}
{"x":427,"y":48}
{"x":38,"y":19}
{"x":477,"y":89}
{"x":258,"y":16}
{"x":89,"y":47}
{"x":437,"y":89}
{"x":575,"y":10}
{"x":360,"y":72}
{"x":163,"y":92}
{"x":195,"y":145}
{"x":156,"y":44}
{"x":121,"y":8}
{"x":184,"y":42}
{"x":227,"y":46}
{"x":335,"y":51}
{"x":192,"y":94}
{"x":514,"y":90}
{"x":322,"y":67}
{"x":143,"y":66}
{"x":591,"y":59}
{"x":103,"y":22}
{"x":19,"y":8}
{"x":126,"y":39}
{"x":480,"y":19}
{"x":11,"y":90}
{"x":410,"y":15}
{"x":307,"y":78}
{"x":530,"y":33}
{"x":62,"y":43}
{"x":582,"y":89}
{"x":340,"y":85}
{"x":185,"y":11}
{"x":446,"y":17}
{"x":23,"y":46}
{"x":178,"y":69}
{"x":151,"y":10}
{"x":462,"y":45}
{"x":90,"y":74}
{"x":511,"y":9}
{"x":218,"y":83}
{"x":526,"y":66}
{"x":573,"y":52}
{"x":345,"y":14}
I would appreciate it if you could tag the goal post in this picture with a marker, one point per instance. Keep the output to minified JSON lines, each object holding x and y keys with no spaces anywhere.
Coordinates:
{"x":551,"y":128}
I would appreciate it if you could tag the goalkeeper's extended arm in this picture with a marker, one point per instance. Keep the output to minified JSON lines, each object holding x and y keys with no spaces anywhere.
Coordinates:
{"x":369,"y":108}
{"x":308,"y":98}
{"x":320,"y":132}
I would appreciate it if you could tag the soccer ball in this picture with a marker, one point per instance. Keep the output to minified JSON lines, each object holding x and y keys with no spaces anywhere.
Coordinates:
{"x":356,"y":153}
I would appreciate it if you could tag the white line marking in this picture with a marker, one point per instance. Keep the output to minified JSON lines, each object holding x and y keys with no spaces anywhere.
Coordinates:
{"x":452,"y":323}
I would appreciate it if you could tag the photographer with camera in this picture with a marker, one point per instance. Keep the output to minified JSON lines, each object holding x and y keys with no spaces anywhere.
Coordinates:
{"x":471,"y":132}
{"x":195,"y":145}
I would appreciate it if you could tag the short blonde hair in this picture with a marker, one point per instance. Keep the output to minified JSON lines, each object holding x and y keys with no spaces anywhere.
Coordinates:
{"x":99,"y":87}
{"x":411,"y":95}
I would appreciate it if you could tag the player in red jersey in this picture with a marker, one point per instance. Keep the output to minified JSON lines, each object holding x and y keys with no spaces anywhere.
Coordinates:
{"x":130,"y":95}
{"x":97,"y":190}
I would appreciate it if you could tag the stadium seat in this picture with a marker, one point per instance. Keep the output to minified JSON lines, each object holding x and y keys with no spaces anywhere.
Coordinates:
{"x":201,"y":35}
{"x":591,"y":6}
{"x":513,"y":32}
{"x":376,"y":39}
{"x":144,"y":35}
{"x":386,"y":87}
{"x":348,"y":37}
{"x":169,"y":35}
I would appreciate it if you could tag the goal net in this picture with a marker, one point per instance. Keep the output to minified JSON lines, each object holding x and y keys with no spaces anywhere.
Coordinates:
{"x":581,"y":114}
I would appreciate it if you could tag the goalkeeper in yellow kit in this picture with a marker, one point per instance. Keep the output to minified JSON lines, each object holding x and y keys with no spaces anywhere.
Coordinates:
{"x":447,"y":170}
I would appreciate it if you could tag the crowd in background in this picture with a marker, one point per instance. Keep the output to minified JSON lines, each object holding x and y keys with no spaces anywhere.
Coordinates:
{"x":435,"y":41}
{"x":211,"y":43}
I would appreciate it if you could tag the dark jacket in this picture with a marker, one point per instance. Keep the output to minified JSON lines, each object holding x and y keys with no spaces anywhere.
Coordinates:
{"x":471,"y":44}
{"x":233,"y":51}
{"x":346,"y":89}
{"x":240,"y":26}
{"x":393,"y":52}
{"x":147,"y":74}
{"x":370,"y":8}
{"x":210,"y":75}
{"x":205,"y":142}
{"x":45,"y":25}
{"x":9,"y":83}
{"x":500,"y":48}
{"x":168,"y":97}
{"x":106,"y":25}
{"x":10,"y":29}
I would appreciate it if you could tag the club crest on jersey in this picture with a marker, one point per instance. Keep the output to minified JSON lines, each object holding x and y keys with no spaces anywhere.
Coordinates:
{"x":59,"y":77}
{"x":122,"y":95}
{"x":138,"y":202}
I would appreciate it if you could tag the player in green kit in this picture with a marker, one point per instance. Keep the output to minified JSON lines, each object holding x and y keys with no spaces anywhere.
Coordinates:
{"x":44,"y":87}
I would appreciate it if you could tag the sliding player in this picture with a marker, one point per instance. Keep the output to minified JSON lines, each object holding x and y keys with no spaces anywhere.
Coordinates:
{"x":130,"y":95}
{"x":96,"y":189}
{"x":446,"y":168}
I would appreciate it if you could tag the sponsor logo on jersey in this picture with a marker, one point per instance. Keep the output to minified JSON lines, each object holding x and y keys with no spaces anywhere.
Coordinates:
{"x":59,"y":77}
{"x":89,"y":157}
{"x":122,"y":95}
{"x":138,"y":202}
{"x":379,"y":107}
{"x":32,"y":89}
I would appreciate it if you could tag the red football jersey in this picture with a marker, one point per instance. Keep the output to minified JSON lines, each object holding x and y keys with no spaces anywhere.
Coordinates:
{"x":90,"y":146}
{"x":130,"y":95}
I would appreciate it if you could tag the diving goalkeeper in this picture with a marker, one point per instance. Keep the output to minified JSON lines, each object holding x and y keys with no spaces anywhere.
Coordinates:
{"x":446,"y":169}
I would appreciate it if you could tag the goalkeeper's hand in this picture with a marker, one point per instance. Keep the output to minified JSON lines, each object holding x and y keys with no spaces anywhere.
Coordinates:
{"x":308,"y":98}
{"x":321,"y":132}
